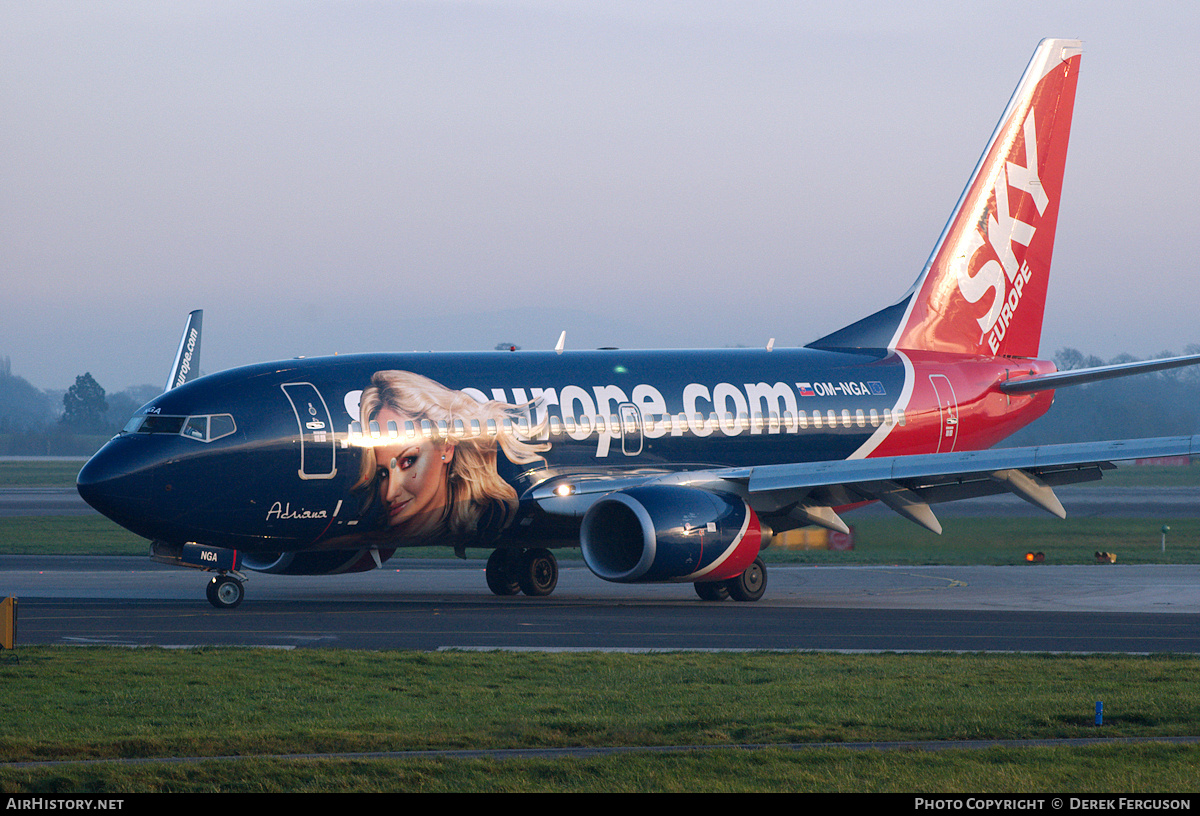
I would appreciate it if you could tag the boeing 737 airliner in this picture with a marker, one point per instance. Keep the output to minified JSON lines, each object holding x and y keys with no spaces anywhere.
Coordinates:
{"x":660,"y":465}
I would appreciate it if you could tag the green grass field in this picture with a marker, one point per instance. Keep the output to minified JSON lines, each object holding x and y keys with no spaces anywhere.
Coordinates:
{"x":39,"y":473}
{"x":94,"y":703}
{"x":101,"y":703}
{"x":878,"y":541}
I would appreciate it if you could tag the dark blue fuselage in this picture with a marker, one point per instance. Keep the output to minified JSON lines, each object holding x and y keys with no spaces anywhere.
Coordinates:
{"x":284,"y":478}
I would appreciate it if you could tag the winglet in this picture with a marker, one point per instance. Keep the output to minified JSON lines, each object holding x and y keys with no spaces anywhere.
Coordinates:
{"x":562,"y":342}
{"x":187,"y":359}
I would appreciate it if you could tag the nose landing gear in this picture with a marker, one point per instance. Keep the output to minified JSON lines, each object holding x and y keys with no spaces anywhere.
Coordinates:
{"x":225,"y":591}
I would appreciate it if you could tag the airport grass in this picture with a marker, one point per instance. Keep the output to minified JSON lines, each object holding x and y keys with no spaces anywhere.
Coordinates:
{"x":100,"y":703}
{"x":90,"y":534}
{"x":39,"y":472}
{"x":890,"y":540}
{"x":1134,"y":770}
{"x":1007,"y":541}
{"x":262,"y":705}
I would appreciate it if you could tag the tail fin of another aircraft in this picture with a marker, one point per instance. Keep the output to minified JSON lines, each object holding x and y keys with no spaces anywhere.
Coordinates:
{"x":983,"y":290}
{"x":187,"y":359}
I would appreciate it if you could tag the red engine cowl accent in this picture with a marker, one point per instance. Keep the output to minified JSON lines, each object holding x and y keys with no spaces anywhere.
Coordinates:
{"x":659,"y":533}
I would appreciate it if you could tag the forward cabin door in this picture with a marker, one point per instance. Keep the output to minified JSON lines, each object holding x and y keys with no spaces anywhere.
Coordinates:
{"x":318,"y":453}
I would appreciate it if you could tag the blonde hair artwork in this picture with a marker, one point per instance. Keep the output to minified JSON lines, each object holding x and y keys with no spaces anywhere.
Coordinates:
{"x":439,"y":479}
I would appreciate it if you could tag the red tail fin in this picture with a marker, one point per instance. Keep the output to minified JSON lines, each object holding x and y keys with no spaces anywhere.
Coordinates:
{"x":983,"y":290}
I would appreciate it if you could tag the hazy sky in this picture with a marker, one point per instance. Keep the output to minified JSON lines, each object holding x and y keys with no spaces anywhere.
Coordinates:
{"x":326,"y":177}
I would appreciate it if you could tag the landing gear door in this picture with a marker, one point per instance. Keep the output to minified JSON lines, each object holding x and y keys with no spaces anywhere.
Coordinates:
{"x":318,"y":452}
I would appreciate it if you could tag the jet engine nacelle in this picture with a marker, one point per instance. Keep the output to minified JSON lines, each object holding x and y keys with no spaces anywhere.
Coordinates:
{"x":657,"y":533}
{"x":330,"y":562}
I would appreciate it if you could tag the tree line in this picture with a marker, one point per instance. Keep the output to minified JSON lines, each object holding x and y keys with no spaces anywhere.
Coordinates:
{"x":75,"y":422}
{"x":1165,"y":403}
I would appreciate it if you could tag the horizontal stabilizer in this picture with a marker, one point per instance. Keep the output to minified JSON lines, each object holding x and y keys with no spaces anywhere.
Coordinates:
{"x":1082,"y":376}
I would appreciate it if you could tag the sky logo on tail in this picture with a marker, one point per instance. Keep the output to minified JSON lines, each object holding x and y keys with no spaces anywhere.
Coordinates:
{"x":1004,"y":276}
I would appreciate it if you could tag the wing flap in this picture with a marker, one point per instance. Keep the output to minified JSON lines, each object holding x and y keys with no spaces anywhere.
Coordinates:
{"x":966,"y":464}
{"x":806,"y":493}
{"x":909,"y":484}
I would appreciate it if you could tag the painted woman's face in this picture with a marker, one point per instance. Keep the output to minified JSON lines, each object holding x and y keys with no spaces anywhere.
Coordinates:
{"x":413,"y":484}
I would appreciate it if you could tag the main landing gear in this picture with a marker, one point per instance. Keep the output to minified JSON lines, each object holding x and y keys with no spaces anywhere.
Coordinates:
{"x":749,"y":586}
{"x":533,"y":571}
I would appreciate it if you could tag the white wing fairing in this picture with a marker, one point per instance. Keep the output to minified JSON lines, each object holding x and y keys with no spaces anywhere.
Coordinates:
{"x":661,"y":465}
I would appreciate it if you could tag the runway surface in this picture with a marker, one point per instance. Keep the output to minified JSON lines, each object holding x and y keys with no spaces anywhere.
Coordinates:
{"x":439,"y":604}
{"x":444,"y":604}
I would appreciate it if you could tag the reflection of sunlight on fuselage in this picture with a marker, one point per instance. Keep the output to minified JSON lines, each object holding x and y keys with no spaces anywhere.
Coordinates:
{"x":653,"y":425}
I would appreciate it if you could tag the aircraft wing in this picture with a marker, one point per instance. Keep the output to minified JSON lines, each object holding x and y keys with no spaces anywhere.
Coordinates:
{"x":807,"y":493}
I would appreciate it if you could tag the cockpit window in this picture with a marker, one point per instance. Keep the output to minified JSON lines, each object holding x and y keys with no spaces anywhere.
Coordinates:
{"x":157,"y":423}
{"x":205,"y":427}
{"x":196,"y":428}
{"x":220,"y":425}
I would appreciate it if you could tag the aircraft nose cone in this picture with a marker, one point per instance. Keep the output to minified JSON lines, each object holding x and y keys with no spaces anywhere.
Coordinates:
{"x":116,"y":484}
